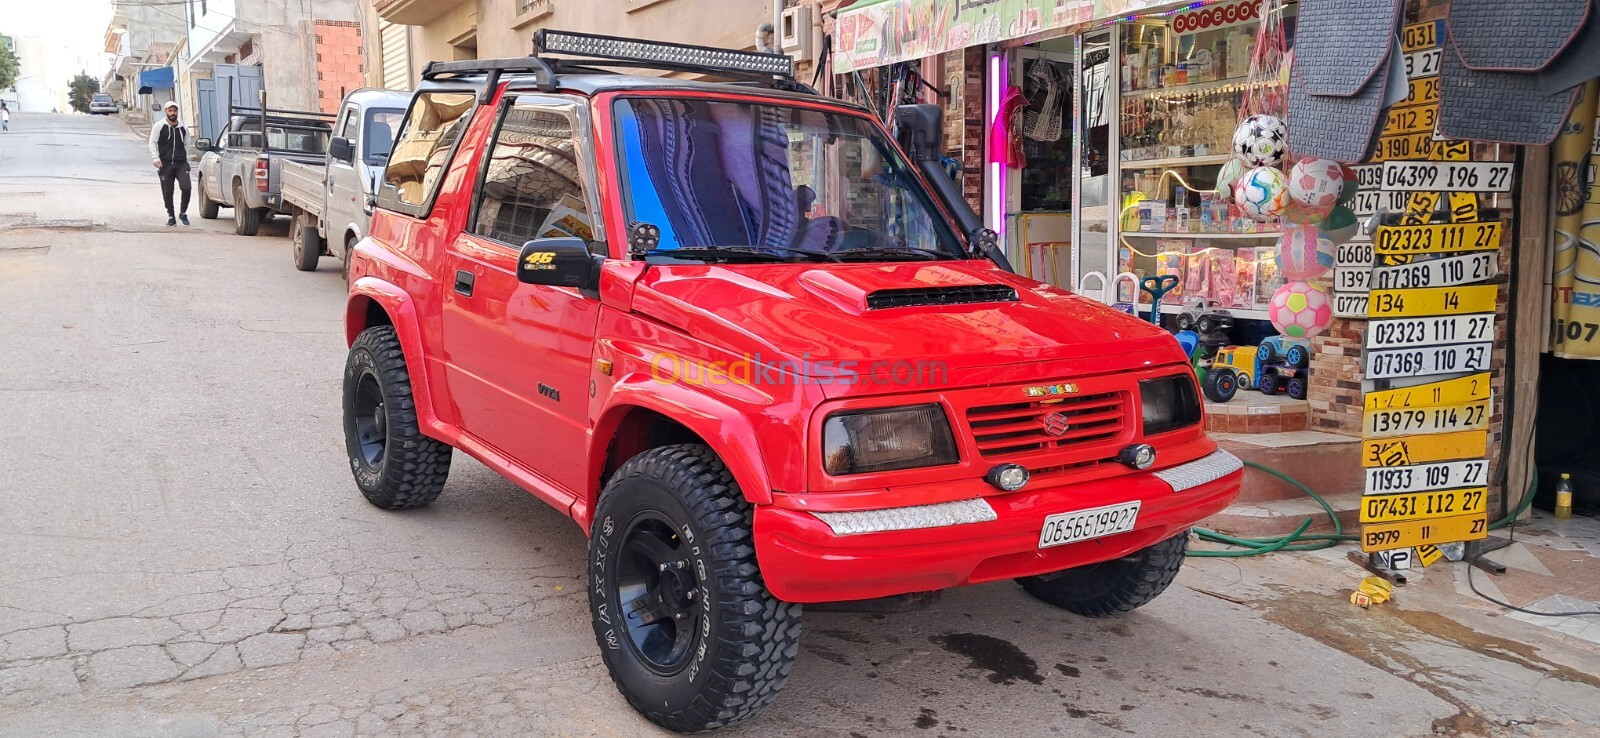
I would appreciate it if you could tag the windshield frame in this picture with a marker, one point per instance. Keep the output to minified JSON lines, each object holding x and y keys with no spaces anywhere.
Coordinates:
{"x":610,"y":105}
{"x":368,"y":118}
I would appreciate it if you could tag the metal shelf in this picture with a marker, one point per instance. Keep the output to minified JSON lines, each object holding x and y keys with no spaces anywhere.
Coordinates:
{"x":1177,"y":90}
{"x":1177,"y":161}
{"x":1246,"y":313}
{"x":1260,"y":236}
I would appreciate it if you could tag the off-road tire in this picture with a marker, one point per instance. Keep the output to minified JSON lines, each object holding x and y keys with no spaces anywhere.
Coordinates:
{"x":742,"y":640}
{"x":246,"y":220}
{"x":1112,"y":587}
{"x":307,"y":244}
{"x":208,"y":206}
{"x":413,"y":467}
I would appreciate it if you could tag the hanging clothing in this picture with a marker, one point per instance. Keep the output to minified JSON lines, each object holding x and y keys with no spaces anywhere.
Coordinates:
{"x":1005,"y":132}
{"x":1048,"y":91}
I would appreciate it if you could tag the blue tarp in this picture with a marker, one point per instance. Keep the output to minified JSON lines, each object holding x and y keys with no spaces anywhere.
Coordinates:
{"x":158,"y":78}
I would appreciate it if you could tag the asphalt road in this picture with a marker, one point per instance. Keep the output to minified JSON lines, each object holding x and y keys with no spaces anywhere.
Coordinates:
{"x":183,"y":552}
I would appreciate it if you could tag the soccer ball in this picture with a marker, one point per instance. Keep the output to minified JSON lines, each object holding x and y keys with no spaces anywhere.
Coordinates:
{"x":1304,"y":253}
{"x":1262,"y":193}
{"x":1352,"y":183}
{"x":1227,"y":177}
{"x":1260,"y":141}
{"x":1340,"y":226}
{"x":1316,"y":184}
{"x":1297,"y":213}
{"x":1300,"y":310}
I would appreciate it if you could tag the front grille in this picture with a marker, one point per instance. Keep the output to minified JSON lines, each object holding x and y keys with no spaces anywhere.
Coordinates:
{"x":940,"y":296}
{"x":1016,"y":428}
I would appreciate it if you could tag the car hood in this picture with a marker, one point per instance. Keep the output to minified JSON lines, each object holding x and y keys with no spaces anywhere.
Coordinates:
{"x":819,"y":315}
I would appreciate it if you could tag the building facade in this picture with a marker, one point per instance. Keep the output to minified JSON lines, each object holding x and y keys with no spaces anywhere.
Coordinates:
{"x":141,"y":39}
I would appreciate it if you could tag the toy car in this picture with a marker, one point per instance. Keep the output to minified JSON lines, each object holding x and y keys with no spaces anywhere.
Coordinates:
{"x":1241,"y":359}
{"x":1294,"y":352}
{"x":1277,"y":378}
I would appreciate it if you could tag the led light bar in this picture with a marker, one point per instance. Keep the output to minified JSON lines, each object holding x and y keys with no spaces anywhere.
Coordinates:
{"x":646,"y":52}
{"x":936,"y":515}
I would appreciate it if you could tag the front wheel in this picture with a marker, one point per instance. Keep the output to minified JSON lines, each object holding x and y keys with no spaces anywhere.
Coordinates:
{"x":1297,"y":356}
{"x":208,"y":206}
{"x":1112,"y":587}
{"x":685,"y":625}
{"x":395,"y":466}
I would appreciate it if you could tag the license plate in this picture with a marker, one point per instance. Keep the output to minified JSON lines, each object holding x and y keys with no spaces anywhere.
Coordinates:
{"x":1422,"y":64}
{"x":1427,"y":360}
{"x":1350,"y":305}
{"x":1422,"y":505}
{"x":1432,"y":394}
{"x":1427,"y":477}
{"x":1367,"y":202}
{"x":1447,"y":419}
{"x":1438,"y":238}
{"x":1457,"y":176}
{"x":1410,"y":450}
{"x":1352,"y":279}
{"x":1353,"y":254}
{"x":1420,"y":303}
{"x":1420,"y":36}
{"x":1082,"y":525}
{"x":1382,"y":536}
{"x":1406,"y":332}
{"x":1449,"y":271}
{"x":1417,"y":119}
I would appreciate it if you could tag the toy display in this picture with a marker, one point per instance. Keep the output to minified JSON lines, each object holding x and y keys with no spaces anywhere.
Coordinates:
{"x":1300,"y":310}
{"x":1282,"y":365}
{"x":1316,"y":183}
{"x":1304,"y":254}
{"x":1260,"y":141}
{"x":1262,"y":193}
{"x":1158,"y":287}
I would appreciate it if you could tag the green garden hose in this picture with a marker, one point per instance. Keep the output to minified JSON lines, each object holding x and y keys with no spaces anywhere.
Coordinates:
{"x":1298,"y":541}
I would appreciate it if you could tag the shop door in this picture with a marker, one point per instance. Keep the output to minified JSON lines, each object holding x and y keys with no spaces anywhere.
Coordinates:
{"x":1095,"y":201}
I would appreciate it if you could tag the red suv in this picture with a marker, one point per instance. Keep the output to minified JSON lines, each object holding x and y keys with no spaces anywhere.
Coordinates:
{"x":761,"y":352}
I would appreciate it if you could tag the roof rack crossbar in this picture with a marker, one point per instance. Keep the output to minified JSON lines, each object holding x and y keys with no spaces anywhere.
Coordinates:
{"x":491,"y":69}
{"x":616,"y":51}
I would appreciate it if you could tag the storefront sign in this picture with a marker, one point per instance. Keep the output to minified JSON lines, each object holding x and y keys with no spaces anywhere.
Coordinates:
{"x":889,"y":31}
{"x":1426,"y":477}
{"x":1448,"y":271}
{"x":1350,"y":305}
{"x":1478,"y":298}
{"x":1404,"y":451}
{"x":1470,"y":176}
{"x":1419,"y":421}
{"x":1217,"y":16}
{"x":1423,"y":361}
{"x":1432,"y":394}
{"x":1410,"y":332}
{"x":1421,"y":505}
{"x":1440,"y":238}
{"x":1378,"y":537}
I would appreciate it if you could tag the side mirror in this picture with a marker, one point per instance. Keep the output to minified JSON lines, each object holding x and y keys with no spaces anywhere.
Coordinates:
{"x":559,"y":262}
{"x":203,"y":144}
{"x":342,"y":149}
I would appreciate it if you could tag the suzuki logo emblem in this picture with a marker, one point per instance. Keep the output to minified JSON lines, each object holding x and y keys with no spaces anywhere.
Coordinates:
{"x":1056,"y":423}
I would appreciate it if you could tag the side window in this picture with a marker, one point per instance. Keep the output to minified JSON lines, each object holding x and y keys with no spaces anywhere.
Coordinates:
{"x":348,"y":129}
{"x":533,"y":186}
{"x":419,"y":159}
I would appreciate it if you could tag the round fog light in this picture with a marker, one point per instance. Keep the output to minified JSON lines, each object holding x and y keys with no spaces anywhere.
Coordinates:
{"x":1138,"y":456}
{"x":1009,"y":477}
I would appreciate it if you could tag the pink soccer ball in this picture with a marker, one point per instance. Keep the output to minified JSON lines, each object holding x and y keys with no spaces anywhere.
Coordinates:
{"x":1304,"y":253}
{"x":1316,"y":183}
{"x":1300,"y":310}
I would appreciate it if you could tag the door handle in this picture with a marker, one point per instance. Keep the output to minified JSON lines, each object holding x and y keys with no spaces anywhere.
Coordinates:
{"x":464,"y":280}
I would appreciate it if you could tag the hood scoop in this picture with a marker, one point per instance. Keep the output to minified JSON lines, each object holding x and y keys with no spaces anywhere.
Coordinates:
{"x":955,"y":295}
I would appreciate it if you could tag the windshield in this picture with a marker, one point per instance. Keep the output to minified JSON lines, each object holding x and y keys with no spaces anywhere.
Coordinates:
{"x":772,"y":181}
{"x":381,"y":125}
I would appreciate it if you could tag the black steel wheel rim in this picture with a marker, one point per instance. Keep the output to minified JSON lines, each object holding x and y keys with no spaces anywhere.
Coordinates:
{"x":372,"y":425}
{"x":657,"y":593}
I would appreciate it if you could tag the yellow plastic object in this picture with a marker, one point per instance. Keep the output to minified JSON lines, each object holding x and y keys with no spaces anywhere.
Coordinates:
{"x":1376,"y":588}
{"x":1563,"y":509}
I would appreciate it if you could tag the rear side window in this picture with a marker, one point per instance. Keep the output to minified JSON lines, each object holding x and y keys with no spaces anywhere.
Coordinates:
{"x":533,"y":187}
{"x":419,"y":158}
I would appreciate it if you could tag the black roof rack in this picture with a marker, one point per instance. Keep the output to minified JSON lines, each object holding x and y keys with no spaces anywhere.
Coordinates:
{"x":582,"y":52}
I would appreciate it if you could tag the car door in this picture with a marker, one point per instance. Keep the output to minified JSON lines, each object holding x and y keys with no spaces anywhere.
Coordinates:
{"x":519,"y":355}
{"x":210,"y":165}
{"x":343,"y":203}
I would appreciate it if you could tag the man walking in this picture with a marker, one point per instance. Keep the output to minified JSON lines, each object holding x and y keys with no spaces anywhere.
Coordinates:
{"x":5,"y":118}
{"x":170,"y":156}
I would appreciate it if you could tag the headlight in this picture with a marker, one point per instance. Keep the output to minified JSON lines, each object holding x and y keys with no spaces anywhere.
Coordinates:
{"x":885,"y":440}
{"x":1169,"y":403}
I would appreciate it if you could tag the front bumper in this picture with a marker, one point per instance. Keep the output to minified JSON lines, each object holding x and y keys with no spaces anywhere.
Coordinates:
{"x":917,"y":549}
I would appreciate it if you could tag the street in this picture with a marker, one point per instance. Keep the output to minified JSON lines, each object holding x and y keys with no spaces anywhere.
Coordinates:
{"x":183,"y":551}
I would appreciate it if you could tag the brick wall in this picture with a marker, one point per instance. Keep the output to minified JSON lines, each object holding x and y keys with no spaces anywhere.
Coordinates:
{"x":972,"y":140}
{"x":340,"y":65}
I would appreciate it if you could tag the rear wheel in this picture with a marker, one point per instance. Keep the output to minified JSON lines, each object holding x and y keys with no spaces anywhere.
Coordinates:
{"x":395,"y":466}
{"x":1297,"y":389}
{"x":1269,"y":384}
{"x":686,"y":627}
{"x":307,"y":243}
{"x":1112,"y":587}
{"x":246,"y":220}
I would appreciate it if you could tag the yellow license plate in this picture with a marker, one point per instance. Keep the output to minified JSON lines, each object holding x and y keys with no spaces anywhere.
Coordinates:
{"x":1422,"y":505}
{"x":1424,"y":91}
{"x":1432,"y":394}
{"x":1421,"y":303}
{"x":1424,"y":420}
{"x":1384,"y":536}
{"x":1419,"y":36}
{"x":1438,"y":238}
{"x":1408,"y":450}
{"x":1418,"y":119}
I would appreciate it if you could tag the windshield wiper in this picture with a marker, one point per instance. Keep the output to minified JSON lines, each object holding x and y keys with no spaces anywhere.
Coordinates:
{"x":744,"y":253}
{"x":879,"y":251}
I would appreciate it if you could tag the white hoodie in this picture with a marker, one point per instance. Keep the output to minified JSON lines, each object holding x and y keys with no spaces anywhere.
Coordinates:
{"x":155,"y":136}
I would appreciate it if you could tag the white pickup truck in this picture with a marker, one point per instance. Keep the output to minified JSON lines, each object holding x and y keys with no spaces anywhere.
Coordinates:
{"x":331,"y":203}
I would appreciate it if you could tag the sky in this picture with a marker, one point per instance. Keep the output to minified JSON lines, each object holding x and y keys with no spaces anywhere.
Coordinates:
{"x":69,"y":34}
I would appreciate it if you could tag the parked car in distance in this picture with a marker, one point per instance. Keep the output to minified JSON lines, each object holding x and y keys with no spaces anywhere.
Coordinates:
{"x":102,"y":104}
{"x":243,"y":168}
{"x":568,"y":273}
{"x":331,"y":201}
